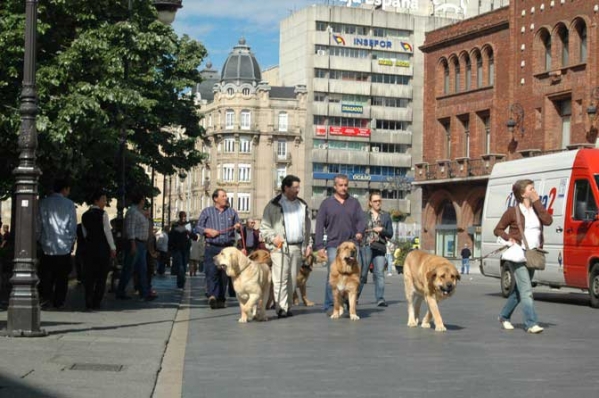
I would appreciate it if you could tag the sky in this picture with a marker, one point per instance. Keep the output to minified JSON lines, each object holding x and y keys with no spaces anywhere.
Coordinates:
{"x":219,"y":24}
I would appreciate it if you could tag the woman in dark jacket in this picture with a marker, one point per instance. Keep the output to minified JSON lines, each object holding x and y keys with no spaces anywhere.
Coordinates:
{"x":533,"y":217}
{"x":99,"y":248}
{"x":378,"y":229}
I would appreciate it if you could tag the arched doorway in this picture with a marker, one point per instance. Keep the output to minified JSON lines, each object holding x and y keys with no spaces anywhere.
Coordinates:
{"x":446,"y":231}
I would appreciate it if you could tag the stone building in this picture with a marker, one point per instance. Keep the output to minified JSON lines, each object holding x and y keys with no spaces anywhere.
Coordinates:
{"x":519,"y":81}
{"x":254,"y":137}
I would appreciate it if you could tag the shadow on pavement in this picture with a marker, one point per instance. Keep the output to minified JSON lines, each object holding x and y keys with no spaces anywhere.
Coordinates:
{"x":11,"y":387}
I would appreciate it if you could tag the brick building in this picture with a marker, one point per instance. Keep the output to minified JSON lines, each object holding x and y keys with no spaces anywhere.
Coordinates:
{"x":518,"y":81}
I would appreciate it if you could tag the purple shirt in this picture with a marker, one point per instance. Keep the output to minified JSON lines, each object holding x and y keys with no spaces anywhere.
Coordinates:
{"x":340,"y":221}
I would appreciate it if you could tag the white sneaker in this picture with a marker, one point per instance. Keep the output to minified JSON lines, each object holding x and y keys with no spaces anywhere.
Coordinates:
{"x":535,"y":329}
{"x":507,"y":325}
{"x":389,"y":274}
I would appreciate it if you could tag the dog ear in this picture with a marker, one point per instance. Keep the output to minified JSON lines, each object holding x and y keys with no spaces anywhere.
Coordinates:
{"x":242,"y":261}
{"x":431,"y":275}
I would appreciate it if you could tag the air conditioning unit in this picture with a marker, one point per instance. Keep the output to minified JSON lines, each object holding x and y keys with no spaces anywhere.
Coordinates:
{"x":322,"y":146}
{"x":365,"y":148}
{"x":375,"y":149}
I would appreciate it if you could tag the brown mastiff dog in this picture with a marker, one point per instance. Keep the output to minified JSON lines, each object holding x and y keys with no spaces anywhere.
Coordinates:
{"x":428,"y":277}
{"x":344,"y":279}
{"x":251,"y":281}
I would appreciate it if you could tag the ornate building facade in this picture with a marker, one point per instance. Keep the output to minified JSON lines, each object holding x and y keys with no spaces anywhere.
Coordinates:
{"x":254,"y":137}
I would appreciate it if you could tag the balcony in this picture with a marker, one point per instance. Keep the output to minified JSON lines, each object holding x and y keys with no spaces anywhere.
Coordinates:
{"x":282,"y":158}
{"x":459,"y":168}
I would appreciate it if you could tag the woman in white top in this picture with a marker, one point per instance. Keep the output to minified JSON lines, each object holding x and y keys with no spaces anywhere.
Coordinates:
{"x":533,"y":217}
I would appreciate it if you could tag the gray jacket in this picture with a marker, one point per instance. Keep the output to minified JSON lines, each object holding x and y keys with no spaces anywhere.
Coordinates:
{"x":273,"y":222}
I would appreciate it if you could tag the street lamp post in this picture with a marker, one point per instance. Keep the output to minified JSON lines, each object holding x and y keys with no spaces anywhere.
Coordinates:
{"x":23,"y":315}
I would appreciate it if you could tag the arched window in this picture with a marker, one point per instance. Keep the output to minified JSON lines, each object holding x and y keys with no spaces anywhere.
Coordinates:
{"x":456,"y":75}
{"x":546,"y":38}
{"x":468,"y":72}
{"x":491,"y":68}
{"x":246,"y":91}
{"x":445,"y":78}
{"x":479,"y":70}
{"x":565,"y":42}
{"x":230,"y":91}
{"x":581,"y":30}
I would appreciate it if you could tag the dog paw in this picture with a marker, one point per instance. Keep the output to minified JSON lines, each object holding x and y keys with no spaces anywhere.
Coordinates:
{"x":242,"y":320}
{"x":341,"y":310}
{"x":354,"y":317}
{"x":295,"y":302}
{"x":425,"y":325}
{"x":335,"y":315}
{"x":309,"y":303}
{"x":412,"y":324}
{"x":440,"y":328}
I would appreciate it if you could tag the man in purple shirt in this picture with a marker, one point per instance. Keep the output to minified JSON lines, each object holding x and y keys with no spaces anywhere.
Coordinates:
{"x":217,"y":224}
{"x":341,"y":218}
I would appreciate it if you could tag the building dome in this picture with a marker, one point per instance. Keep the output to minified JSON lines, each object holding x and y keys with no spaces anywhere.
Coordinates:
{"x":241,"y":65}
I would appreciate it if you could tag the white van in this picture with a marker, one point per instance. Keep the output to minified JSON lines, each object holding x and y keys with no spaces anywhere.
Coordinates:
{"x":568,"y":185}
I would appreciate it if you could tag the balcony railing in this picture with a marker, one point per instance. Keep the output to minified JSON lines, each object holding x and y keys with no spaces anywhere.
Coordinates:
{"x":457,"y":168}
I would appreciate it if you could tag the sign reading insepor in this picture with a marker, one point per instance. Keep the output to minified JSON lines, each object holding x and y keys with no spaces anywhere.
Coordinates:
{"x":411,"y":4}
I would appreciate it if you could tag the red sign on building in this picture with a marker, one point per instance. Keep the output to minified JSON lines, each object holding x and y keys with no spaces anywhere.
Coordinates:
{"x":320,"y":131}
{"x":349,"y":131}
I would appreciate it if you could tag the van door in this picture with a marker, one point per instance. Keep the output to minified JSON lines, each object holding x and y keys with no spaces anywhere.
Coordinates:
{"x":581,"y":234}
{"x":553,"y":195}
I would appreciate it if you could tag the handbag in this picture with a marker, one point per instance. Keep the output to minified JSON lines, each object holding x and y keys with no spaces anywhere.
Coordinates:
{"x":378,"y":246}
{"x":535,"y":258}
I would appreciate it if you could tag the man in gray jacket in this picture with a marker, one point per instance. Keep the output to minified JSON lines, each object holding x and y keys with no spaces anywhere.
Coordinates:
{"x":285,"y":228}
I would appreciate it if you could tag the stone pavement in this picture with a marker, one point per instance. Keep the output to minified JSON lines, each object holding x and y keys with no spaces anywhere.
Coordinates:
{"x":116,"y":351}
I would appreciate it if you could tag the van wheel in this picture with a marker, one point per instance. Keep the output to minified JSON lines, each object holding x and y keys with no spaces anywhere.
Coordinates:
{"x":507,"y":281}
{"x":594,"y":286}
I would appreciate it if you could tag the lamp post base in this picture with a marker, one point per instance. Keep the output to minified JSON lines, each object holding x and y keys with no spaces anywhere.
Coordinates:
{"x":23,"y":333}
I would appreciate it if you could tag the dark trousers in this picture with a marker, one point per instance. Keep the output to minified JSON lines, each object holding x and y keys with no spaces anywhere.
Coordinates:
{"x":216,"y":279}
{"x":95,"y":272}
{"x":54,"y":278}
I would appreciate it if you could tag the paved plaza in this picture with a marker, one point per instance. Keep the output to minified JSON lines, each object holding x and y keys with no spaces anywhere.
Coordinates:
{"x":177,"y":346}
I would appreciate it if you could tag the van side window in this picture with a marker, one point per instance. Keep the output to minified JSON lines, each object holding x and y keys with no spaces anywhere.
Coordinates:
{"x":585,"y":207}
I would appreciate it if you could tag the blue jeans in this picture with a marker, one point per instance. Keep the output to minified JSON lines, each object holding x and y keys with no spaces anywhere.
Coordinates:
{"x":135,"y":261}
{"x":389,"y":258}
{"x":216,"y":278}
{"x":522,"y":293}
{"x":180,"y":260}
{"x":328,"y":292}
{"x":465,"y":265}
{"x":378,"y":272}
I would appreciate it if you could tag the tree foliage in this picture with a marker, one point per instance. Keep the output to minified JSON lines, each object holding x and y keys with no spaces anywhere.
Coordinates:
{"x":104,"y":73}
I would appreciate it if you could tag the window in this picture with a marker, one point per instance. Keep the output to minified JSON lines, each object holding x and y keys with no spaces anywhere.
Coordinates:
{"x":390,"y":79}
{"x":585,"y":207}
{"x":320,"y":97}
{"x":466,"y":125}
{"x":246,"y":91}
{"x":378,"y":32}
{"x":281,"y":149}
{"x":229,"y":120}
{"x":283,"y":121}
{"x":228,"y":172}
{"x":581,"y":29}
{"x":468,"y":73}
{"x":447,"y":131}
{"x":487,"y":124}
{"x":230,"y":91}
{"x":565,"y":111}
{"x":565,"y":42}
{"x":281,"y":173}
{"x":245,"y":173}
{"x":491,"y":69}
{"x":243,"y":202}
{"x":229,"y":145}
{"x":320,"y":73}
{"x":321,"y":50}
{"x":445,"y":79}
{"x":245,"y":145}
{"x":456,"y":76}
{"x":547,"y":46}
{"x":479,"y":71}
{"x":393,"y":125}
{"x":321,"y":26}
{"x":390,"y":102}
{"x":245,"y":120}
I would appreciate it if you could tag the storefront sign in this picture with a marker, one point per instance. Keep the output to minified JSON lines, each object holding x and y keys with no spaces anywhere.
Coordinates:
{"x":409,"y":4}
{"x":349,"y":131}
{"x":320,"y":131}
{"x":393,"y":62}
{"x":361,"y":177}
{"x":351,"y":108}
{"x":365,"y":42}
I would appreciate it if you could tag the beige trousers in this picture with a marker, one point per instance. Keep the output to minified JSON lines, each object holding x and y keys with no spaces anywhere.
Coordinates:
{"x":284,"y":275}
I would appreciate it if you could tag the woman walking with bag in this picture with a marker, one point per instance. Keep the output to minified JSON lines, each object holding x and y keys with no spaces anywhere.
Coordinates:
{"x":378,"y":229}
{"x":525,"y":221}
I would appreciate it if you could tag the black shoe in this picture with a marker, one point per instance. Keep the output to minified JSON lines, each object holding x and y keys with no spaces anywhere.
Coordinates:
{"x":289,"y":314}
{"x":212,"y":302}
{"x":381,"y":303}
{"x":151,"y":297}
{"x":221,"y":304}
{"x":281,"y":314}
{"x":122,"y":297}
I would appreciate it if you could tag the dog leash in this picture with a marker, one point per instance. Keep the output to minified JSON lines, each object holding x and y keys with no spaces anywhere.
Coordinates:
{"x":502,"y":248}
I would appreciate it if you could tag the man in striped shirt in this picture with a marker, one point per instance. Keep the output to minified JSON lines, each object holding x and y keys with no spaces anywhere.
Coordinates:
{"x":217,"y":224}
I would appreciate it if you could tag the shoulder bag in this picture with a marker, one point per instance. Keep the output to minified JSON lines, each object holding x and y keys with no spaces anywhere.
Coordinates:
{"x":535,"y":258}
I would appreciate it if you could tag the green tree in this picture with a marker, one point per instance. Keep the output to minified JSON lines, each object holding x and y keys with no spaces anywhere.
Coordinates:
{"x":103,"y":73}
